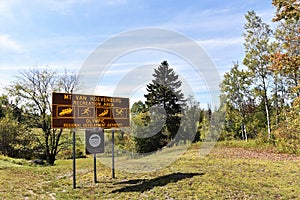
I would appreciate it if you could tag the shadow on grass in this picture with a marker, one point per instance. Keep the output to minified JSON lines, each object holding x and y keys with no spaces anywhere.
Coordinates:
{"x":142,"y":185}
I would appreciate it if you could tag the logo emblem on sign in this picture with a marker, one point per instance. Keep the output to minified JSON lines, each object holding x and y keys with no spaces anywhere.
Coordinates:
{"x":95,"y":140}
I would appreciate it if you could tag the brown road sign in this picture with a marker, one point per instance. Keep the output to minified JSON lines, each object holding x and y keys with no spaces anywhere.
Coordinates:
{"x":89,"y":111}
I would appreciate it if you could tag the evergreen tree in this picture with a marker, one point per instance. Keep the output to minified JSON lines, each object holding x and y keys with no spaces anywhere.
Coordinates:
{"x":164,"y":92}
{"x":137,"y":108}
{"x":162,"y":113}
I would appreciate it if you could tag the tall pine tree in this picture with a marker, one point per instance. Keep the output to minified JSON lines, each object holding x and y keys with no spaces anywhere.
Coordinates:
{"x":164,"y":97}
{"x":165,"y":90}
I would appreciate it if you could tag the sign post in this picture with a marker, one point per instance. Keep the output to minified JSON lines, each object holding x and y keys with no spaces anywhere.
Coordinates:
{"x":113,"y":152}
{"x":74,"y":158}
{"x":89,"y":111}
{"x":95,"y":168}
{"x":94,"y":139}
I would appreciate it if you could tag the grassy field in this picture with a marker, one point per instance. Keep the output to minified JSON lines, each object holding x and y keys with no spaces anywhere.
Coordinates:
{"x":226,"y":173}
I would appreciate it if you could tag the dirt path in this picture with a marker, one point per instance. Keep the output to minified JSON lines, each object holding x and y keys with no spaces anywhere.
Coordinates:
{"x":235,"y":152}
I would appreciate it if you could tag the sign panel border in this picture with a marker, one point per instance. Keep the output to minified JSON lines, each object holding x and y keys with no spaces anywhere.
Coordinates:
{"x":71,"y":110}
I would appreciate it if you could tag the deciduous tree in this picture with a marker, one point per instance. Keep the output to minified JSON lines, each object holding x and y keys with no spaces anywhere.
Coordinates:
{"x":258,"y":49}
{"x":235,"y":90}
{"x":34,"y":88}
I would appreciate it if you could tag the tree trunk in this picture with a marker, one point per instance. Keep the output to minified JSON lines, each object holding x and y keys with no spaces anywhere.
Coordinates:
{"x":268,"y":117}
{"x":276,"y":102}
{"x":51,"y":159}
{"x":47,"y":149}
{"x":245,"y":132}
{"x":266,"y":101}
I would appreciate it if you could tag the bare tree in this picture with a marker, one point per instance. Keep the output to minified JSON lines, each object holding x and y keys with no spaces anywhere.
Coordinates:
{"x":68,"y":82}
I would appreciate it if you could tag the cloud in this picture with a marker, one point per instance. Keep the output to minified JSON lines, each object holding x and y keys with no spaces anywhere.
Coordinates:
{"x":223,"y":50}
{"x":9,"y":44}
{"x":209,"y":20}
{"x":221,"y":42}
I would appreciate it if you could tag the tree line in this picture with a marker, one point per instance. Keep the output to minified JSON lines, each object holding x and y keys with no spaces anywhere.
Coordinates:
{"x":261,"y":97}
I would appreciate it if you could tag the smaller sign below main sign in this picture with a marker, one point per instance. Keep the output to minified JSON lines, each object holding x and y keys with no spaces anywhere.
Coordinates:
{"x":94,"y":141}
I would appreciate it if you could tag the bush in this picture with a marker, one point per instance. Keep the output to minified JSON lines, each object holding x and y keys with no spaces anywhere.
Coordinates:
{"x":287,"y":141}
{"x":287,"y":136}
{"x":16,"y":140}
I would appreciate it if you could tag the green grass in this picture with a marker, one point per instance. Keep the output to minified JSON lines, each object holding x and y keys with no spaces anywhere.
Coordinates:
{"x":7,"y":161}
{"x":226,"y":173}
